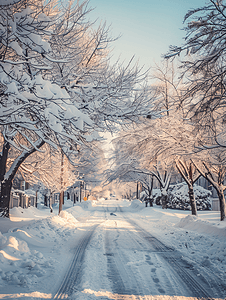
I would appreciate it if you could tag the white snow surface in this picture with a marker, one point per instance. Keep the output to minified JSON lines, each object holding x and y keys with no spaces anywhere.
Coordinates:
{"x":36,"y":246}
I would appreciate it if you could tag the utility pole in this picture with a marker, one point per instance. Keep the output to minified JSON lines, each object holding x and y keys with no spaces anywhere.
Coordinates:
{"x":61,"y":183}
{"x":80,"y":192}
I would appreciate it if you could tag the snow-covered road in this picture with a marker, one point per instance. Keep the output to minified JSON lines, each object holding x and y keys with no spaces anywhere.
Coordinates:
{"x":113,"y":250}
{"x":137,"y":265}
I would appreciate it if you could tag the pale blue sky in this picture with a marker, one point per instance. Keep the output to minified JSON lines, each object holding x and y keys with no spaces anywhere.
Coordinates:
{"x":147,"y":27}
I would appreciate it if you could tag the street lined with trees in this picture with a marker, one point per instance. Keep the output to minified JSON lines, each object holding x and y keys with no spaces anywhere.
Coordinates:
{"x":59,"y":91}
{"x":60,"y":96}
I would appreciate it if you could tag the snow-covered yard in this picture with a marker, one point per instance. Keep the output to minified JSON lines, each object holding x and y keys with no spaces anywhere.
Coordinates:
{"x":37,"y":249}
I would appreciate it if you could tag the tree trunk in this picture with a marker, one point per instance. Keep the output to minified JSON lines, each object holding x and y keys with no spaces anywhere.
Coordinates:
{"x":137,"y":190}
{"x":220,"y":193}
{"x":61,"y":201}
{"x":192,"y":200}
{"x":6,"y":184}
{"x":3,"y":159}
{"x":45,"y":200}
{"x":36,"y":199}
{"x":6,"y":187}
{"x":150,"y":197}
{"x":164,"y":201}
{"x":50,"y":202}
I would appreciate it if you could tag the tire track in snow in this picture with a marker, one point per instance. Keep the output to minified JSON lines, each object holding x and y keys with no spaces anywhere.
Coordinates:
{"x":121,"y":276}
{"x":113,"y":273}
{"x":137,"y":280}
{"x":72,"y":277}
{"x":128,"y":271}
{"x":151,"y":273}
{"x":201,"y":285}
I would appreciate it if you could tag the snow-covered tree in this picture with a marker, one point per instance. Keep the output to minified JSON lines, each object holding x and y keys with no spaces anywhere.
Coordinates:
{"x":91,"y":165}
{"x":57,"y":173}
{"x":174,"y":139}
{"x":33,"y":110}
{"x":110,"y":94}
{"x":46,"y":167}
{"x":169,"y":140}
{"x":190,"y":174}
{"x":41,"y":45}
{"x":204,"y":62}
{"x":167,"y":85}
{"x":129,"y":164}
{"x":213,"y":168}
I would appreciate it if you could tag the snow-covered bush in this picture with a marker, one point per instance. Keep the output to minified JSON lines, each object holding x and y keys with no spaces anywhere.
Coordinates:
{"x":179,"y":198}
{"x":156,"y":193}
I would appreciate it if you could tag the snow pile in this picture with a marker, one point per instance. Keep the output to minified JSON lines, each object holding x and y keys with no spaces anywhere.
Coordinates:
{"x":203,"y":242}
{"x":21,"y":217}
{"x":17,"y":211}
{"x":76,"y":210}
{"x":29,"y":254}
{"x":64,"y":219}
{"x":125,"y":202}
{"x":67,"y":217}
{"x":20,"y":265}
{"x":81,"y":210}
{"x":179,"y":198}
{"x":194,"y":223}
{"x":30,"y":213}
{"x":136,"y":205}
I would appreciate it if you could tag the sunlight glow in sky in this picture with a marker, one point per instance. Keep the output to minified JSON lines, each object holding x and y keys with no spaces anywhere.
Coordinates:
{"x":147,"y":27}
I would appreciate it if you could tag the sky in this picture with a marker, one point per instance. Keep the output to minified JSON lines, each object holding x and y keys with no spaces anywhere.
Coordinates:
{"x":147,"y":27}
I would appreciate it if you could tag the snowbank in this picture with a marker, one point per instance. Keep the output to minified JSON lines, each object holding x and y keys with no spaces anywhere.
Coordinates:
{"x":20,"y":217}
{"x":125,"y":202}
{"x":194,"y":223}
{"x":135,"y":205}
{"x":29,"y":253}
{"x":65,"y":219}
{"x":30,"y":213}
{"x":20,"y":265}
